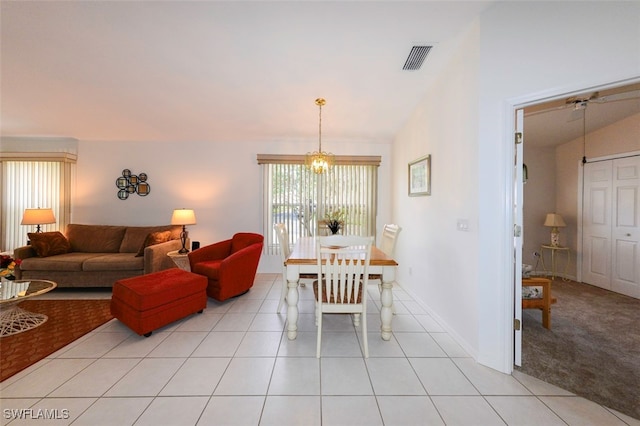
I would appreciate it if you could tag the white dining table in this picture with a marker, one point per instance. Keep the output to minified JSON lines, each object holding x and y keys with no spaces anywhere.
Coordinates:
{"x":303,"y":260}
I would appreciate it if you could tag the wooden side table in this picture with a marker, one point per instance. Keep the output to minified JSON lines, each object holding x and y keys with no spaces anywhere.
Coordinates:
{"x":180,"y":259}
{"x":554,"y":260}
{"x":543,"y":303}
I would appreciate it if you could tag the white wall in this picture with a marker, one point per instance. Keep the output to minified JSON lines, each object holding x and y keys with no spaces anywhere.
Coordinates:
{"x":524,"y":51}
{"x":539,"y":199}
{"x":429,"y":248}
{"x":222,"y":182}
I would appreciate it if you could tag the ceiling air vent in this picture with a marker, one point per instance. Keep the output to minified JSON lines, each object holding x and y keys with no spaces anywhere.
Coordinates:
{"x":416,"y":57}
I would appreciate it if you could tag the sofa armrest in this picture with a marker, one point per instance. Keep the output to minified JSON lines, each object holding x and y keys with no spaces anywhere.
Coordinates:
{"x":242,"y":265}
{"x":155,"y":256}
{"x":23,"y":252}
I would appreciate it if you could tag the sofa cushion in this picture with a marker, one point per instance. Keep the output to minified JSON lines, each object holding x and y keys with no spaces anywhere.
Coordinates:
{"x":134,"y":236}
{"x":49,"y":243}
{"x":114,"y":262}
{"x":95,"y":238}
{"x":152,"y":239}
{"x":63,"y":262}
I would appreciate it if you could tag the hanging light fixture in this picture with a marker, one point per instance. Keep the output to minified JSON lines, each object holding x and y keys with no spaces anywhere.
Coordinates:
{"x":319,"y":162}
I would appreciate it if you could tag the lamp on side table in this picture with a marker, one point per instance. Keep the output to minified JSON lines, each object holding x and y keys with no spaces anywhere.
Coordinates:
{"x":183,"y":217}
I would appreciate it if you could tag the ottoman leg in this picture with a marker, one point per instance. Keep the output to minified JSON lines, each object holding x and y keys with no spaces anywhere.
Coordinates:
{"x":147,"y":334}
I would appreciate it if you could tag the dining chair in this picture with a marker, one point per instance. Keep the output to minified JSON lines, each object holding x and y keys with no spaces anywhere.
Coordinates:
{"x":343,"y":266}
{"x":285,"y":251}
{"x":388,"y":243}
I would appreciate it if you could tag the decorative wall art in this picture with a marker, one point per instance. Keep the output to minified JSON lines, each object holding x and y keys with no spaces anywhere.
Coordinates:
{"x":420,"y":176}
{"x":132,"y":184}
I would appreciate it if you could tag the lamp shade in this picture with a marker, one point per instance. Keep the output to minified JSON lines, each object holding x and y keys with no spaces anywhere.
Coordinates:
{"x":183,"y":217}
{"x":554,"y":220}
{"x":37,"y":217}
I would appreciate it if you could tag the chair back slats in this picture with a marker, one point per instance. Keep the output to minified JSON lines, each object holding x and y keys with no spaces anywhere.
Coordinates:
{"x":343,"y":262}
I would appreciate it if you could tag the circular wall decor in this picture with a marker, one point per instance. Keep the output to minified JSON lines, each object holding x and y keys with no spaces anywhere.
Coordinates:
{"x":129,"y":183}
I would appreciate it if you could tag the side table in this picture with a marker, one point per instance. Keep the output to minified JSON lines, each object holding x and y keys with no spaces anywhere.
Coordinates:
{"x":554,"y":260}
{"x":180,"y":259}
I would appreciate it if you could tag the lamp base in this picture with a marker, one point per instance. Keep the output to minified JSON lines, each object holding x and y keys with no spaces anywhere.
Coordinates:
{"x":555,"y":238}
{"x":183,"y":240}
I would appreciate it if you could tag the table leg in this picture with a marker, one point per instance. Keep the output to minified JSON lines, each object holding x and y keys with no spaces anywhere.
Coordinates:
{"x":386,"y":313}
{"x":293,"y":278}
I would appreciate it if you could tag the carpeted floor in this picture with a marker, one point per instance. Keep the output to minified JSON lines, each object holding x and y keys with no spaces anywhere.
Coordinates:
{"x":68,"y":320}
{"x":593,"y":347}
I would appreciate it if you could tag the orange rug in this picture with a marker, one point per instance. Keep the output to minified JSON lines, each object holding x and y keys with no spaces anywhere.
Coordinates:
{"x":68,"y":320}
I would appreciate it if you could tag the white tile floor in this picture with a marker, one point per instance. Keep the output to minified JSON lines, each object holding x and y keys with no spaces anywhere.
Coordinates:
{"x":233,"y":365}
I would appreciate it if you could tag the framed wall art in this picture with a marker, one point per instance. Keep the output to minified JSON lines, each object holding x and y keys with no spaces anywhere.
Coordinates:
{"x":420,"y":176}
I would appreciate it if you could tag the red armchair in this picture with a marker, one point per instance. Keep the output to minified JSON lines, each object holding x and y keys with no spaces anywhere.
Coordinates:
{"x":230,"y":266}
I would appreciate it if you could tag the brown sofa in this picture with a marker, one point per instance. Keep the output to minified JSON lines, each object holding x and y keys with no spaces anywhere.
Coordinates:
{"x":97,"y":255}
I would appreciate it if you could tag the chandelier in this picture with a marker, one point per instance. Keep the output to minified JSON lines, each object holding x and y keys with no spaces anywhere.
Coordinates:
{"x":319,"y":162}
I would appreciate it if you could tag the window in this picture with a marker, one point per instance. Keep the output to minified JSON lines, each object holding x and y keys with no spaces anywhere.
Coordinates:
{"x":299,"y":198}
{"x":33,"y":181}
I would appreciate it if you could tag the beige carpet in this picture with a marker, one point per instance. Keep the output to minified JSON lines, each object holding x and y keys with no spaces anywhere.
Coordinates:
{"x":593,"y":347}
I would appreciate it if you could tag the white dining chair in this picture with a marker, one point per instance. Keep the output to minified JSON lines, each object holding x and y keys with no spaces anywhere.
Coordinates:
{"x":343,"y":265}
{"x":285,"y":251}
{"x":388,"y":243}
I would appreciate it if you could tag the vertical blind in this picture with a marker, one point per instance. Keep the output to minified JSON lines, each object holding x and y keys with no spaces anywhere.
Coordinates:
{"x":32,"y":184}
{"x":299,"y":198}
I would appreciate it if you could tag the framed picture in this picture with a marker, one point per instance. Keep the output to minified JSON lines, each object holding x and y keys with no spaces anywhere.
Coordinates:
{"x":420,"y":176}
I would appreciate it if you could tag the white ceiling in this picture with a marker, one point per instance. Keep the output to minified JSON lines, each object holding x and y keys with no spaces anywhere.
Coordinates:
{"x":219,"y":71}
{"x":234,"y":71}
{"x":558,"y":121}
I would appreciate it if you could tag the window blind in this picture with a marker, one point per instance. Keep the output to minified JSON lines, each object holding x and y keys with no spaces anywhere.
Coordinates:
{"x":33,"y":183}
{"x":299,"y":198}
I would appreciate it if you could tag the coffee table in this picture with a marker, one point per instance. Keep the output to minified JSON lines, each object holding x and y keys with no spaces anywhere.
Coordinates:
{"x":13,"y":319}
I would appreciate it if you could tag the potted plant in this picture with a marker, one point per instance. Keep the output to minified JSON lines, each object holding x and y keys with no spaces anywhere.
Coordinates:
{"x":334,"y":220}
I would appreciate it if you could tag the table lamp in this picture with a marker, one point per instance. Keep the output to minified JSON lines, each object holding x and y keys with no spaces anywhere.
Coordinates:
{"x":183,"y":217}
{"x":38,"y":217}
{"x":554,"y":221}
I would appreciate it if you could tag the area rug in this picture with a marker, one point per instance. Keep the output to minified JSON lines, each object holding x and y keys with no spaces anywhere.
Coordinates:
{"x":68,"y":320}
{"x":593,"y":347}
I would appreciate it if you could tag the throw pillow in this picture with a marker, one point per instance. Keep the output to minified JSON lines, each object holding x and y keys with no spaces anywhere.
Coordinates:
{"x":152,"y":239}
{"x":49,"y":243}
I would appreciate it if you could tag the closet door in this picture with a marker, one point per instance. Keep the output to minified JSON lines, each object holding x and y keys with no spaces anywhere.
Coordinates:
{"x":625,"y":231}
{"x":596,"y":221}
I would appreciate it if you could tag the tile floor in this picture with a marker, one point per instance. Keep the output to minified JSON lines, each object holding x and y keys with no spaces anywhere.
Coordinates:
{"x":233,"y":365}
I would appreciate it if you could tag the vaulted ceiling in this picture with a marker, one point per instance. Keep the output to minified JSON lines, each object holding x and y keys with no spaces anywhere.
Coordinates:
{"x":219,"y":71}
{"x":235,"y":70}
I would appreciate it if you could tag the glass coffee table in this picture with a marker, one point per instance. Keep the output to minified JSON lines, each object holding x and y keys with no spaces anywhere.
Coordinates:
{"x":13,"y":319}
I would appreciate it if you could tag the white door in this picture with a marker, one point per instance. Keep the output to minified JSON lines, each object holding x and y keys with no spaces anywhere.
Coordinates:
{"x":625,"y":235}
{"x":596,"y":222}
{"x":611,"y":220}
{"x":518,"y":188}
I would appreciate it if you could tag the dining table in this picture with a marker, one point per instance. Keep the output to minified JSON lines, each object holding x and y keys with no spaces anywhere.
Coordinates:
{"x":303,"y":260}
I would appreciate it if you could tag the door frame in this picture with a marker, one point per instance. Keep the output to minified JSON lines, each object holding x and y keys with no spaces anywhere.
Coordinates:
{"x":510,"y":107}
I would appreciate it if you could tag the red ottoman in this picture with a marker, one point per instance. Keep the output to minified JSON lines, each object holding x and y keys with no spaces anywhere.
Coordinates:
{"x":151,"y":301}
